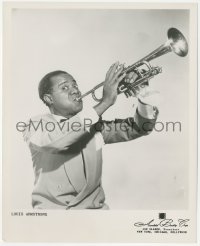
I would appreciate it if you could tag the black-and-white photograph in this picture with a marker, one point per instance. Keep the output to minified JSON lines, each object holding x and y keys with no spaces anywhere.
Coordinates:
{"x":98,"y":109}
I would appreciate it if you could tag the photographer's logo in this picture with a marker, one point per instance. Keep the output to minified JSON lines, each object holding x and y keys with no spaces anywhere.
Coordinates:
{"x":162,"y":216}
{"x":162,"y":225}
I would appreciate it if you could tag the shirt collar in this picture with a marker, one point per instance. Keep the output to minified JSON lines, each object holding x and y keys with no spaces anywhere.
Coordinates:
{"x":59,"y":117}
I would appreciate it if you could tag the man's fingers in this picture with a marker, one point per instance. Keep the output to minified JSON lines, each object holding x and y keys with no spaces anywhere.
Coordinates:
{"x":130,"y":75}
{"x":113,"y":70}
{"x":110,"y":69}
{"x":120,"y":78}
{"x":118,"y":71}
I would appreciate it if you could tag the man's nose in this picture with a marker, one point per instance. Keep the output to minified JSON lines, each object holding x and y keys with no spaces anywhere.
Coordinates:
{"x":75,"y":90}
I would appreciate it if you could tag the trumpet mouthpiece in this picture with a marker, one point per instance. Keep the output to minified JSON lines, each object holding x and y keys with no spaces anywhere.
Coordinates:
{"x":78,"y":99}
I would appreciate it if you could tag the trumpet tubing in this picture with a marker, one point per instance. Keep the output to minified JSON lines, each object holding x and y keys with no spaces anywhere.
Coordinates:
{"x":175,"y":43}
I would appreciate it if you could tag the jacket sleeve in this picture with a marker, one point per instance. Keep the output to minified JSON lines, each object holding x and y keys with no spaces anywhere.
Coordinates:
{"x":52,"y":136}
{"x":121,"y":130}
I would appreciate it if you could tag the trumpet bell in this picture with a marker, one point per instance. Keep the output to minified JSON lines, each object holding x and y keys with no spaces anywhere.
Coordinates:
{"x":177,"y":42}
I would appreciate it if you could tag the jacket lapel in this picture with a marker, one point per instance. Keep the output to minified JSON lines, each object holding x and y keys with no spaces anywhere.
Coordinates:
{"x":93,"y":169}
{"x":74,"y":168}
{"x":73,"y":164}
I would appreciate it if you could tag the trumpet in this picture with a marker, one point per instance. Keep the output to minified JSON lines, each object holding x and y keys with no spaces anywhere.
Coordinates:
{"x":175,"y":43}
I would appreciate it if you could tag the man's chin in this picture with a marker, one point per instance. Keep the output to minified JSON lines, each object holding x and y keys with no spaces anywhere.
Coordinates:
{"x":78,"y":107}
{"x":73,"y":108}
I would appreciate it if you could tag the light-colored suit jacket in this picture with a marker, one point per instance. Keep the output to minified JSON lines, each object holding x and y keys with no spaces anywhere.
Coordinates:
{"x":67,"y":163}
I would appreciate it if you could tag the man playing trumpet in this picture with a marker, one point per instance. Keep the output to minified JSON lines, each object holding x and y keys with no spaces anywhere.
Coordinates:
{"x":67,"y":158}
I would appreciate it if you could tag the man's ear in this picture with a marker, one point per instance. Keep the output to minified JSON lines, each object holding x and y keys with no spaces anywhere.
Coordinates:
{"x":48,"y":99}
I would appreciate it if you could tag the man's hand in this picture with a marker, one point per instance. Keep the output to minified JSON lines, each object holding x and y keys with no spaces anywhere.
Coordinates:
{"x":112,"y":80}
{"x":111,"y":83}
{"x":143,"y":92}
{"x":131,"y":78}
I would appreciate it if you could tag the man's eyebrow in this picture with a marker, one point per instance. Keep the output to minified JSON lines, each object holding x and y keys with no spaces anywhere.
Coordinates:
{"x":65,"y":82}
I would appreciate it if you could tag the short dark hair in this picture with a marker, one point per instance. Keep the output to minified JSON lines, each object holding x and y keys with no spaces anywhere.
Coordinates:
{"x":45,"y":84}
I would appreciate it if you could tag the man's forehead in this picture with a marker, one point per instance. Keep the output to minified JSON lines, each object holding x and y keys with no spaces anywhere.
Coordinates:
{"x":63,"y":77}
